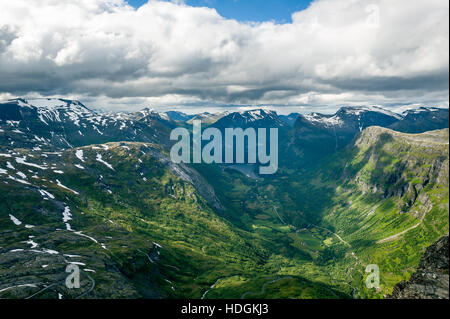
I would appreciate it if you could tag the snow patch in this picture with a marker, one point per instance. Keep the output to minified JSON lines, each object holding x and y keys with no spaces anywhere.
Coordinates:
{"x":22,"y":160}
{"x":15,"y":220}
{"x":79,"y":155}
{"x":50,"y":251}
{"x":46,"y":194}
{"x":65,"y":187}
{"x":99,"y":159}
{"x":67,"y":215}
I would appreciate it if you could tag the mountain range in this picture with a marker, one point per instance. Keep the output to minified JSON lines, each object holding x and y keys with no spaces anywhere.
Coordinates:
{"x":99,"y":191}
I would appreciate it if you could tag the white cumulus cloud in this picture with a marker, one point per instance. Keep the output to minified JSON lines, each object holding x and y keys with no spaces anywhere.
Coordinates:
{"x":170,"y":54}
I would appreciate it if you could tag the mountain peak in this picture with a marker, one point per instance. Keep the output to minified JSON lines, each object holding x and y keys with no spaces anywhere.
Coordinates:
{"x":251,"y":118}
{"x":422,"y":109}
{"x":179,"y":116}
{"x":53,"y":103}
{"x":258,"y":113}
{"x":357,"y":110}
{"x":354,"y":117}
{"x":146,"y":111}
{"x":208,"y":118}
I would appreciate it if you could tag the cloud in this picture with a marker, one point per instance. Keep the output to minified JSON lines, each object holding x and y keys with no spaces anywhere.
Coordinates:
{"x":335,"y":52}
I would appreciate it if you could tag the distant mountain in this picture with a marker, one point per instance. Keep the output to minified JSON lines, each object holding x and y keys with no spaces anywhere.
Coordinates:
{"x":289,"y":119}
{"x":152,"y":118}
{"x":316,"y":135}
{"x":67,"y":123}
{"x":255,"y":118}
{"x":208,"y":118}
{"x":354,"y":119}
{"x":422,"y":119}
{"x":179,"y":116}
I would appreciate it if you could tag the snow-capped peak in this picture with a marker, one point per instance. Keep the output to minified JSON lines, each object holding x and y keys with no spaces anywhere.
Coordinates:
{"x":357,"y":110}
{"x":53,"y":104}
{"x":348,"y":115}
{"x":257,"y":113}
{"x":153,"y":113}
{"x":327,"y":120}
{"x":46,"y":103}
{"x":421,"y":109}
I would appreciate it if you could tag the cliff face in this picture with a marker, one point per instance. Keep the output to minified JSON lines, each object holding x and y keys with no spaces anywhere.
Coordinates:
{"x":403,"y":165}
{"x":431,"y":281}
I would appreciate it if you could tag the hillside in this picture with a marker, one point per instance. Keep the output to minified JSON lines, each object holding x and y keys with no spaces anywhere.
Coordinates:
{"x":130,"y":219}
{"x":117,"y":211}
{"x":390,"y":199}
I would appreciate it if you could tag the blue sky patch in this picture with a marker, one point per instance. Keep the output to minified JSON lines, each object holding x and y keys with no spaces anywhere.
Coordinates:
{"x":279,"y":11}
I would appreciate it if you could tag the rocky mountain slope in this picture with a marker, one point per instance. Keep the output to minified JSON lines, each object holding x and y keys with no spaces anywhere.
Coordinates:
{"x":391,"y":198}
{"x":431,"y":280}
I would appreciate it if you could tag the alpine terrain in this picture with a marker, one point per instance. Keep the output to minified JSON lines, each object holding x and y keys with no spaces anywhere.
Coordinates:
{"x":98,"y":192}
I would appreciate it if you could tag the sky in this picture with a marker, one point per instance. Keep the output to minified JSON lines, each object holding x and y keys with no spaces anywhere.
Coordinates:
{"x":194,"y":56}
{"x":279,"y":11}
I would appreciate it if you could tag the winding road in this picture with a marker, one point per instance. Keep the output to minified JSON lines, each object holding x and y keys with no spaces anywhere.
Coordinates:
{"x":393,"y":237}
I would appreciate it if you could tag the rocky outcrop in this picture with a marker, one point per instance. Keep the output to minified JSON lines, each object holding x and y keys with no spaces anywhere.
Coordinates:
{"x":431,"y":281}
